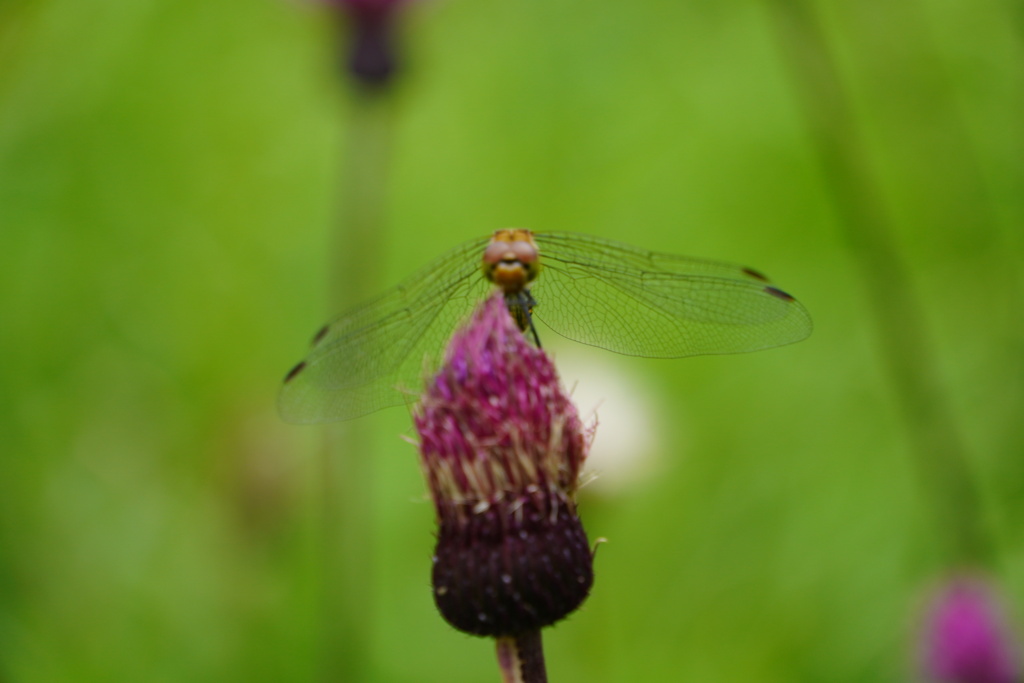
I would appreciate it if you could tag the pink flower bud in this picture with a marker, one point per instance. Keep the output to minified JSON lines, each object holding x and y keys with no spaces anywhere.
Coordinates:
{"x":966,"y":639}
{"x":371,"y":55}
{"x":502,"y":446}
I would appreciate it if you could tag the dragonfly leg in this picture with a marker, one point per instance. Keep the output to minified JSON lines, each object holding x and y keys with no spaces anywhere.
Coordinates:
{"x":520,"y":307}
{"x":533,"y":331}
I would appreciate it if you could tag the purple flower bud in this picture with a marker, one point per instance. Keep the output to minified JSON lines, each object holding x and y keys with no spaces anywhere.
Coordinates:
{"x":502,"y":446}
{"x":966,"y":639}
{"x":371,"y":57}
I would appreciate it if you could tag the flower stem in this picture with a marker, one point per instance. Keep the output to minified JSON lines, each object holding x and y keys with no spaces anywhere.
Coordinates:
{"x":356,"y":253}
{"x":902,"y":341}
{"x":346,"y":470}
{"x":521,"y":658}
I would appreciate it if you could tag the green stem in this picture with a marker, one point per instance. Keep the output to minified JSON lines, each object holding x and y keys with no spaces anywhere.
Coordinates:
{"x":902,"y":341}
{"x":346,"y":463}
{"x":357,"y":250}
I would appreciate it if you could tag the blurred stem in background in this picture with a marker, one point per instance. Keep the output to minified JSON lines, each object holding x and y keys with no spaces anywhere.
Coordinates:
{"x":902,"y":341}
{"x":347,"y":465}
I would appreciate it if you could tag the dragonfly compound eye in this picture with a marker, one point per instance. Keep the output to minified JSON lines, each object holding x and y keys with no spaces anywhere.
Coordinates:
{"x":511,"y":265}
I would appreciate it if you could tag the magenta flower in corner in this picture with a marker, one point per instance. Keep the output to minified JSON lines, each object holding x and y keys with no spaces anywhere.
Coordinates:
{"x":966,"y":638}
{"x":501,"y":446}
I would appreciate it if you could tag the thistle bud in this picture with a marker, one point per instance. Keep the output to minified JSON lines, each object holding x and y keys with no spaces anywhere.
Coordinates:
{"x":371,"y":24}
{"x":966,"y":639}
{"x":501,"y":446}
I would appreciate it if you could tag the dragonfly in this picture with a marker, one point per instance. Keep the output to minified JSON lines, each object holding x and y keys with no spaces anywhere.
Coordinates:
{"x":588,"y":289}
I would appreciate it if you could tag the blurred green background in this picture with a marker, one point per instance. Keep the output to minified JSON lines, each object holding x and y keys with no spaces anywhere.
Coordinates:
{"x":169,"y":174}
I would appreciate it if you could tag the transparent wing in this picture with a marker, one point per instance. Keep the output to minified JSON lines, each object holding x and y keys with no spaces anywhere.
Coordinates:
{"x":363,"y":360}
{"x":642,"y":303}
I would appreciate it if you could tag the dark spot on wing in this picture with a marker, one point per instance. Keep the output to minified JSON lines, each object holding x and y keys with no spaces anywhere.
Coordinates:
{"x":779,"y":293}
{"x":756,"y":274}
{"x":320,"y":335}
{"x":294,"y":371}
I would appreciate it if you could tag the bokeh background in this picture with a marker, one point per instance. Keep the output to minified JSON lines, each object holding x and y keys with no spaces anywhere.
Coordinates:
{"x":169,"y":213}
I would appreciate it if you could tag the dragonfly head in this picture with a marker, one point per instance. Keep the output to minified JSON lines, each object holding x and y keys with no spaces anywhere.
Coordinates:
{"x":511,"y":260}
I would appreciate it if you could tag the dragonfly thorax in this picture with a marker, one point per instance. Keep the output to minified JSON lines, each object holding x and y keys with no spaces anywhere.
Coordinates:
{"x":511,"y":260}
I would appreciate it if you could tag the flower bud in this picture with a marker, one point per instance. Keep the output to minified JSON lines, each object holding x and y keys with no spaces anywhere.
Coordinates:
{"x":371,"y":25}
{"x":966,"y":639}
{"x":501,"y":446}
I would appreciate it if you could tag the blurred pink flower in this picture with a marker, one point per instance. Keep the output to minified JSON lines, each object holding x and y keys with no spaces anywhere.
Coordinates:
{"x":966,"y":639}
{"x":371,"y":56}
{"x":502,"y":446}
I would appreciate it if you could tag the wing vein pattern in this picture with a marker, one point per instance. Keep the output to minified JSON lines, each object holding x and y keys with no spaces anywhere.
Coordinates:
{"x":643,"y":303}
{"x":592,"y":290}
{"x":373,"y":356}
